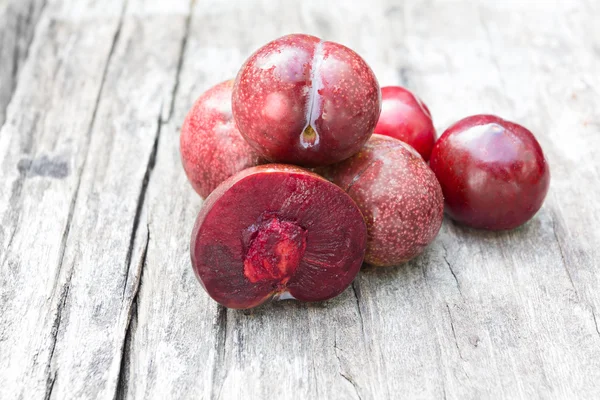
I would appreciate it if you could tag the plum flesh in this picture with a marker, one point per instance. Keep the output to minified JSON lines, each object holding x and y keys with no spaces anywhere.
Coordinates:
{"x":399,"y":196}
{"x":405,"y":117}
{"x":305,"y":101}
{"x":493,"y":172}
{"x":211,"y":146}
{"x":277,"y":231}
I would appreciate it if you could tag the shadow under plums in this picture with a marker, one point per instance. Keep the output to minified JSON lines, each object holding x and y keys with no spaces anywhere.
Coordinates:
{"x":285,"y":308}
{"x":374,"y":277}
{"x":526,"y":232}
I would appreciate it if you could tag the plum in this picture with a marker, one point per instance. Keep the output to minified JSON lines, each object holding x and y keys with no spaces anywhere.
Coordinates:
{"x":211,"y":146}
{"x":493,"y":172}
{"x":277,"y":231}
{"x":305,"y":101}
{"x":405,"y":117}
{"x":398,"y":195}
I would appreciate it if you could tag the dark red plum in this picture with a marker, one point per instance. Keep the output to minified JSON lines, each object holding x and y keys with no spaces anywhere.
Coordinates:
{"x":405,"y":117}
{"x":277,"y":231}
{"x":305,"y":101}
{"x":493,"y":172}
{"x":399,"y":196}
{"x":211,"y":146}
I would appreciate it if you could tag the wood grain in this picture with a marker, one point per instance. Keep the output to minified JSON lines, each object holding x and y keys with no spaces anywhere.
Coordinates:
{"x":18,"y":19}
{"x":98,"y":299}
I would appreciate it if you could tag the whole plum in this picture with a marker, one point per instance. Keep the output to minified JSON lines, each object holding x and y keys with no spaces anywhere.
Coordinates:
{"x":305,"y":101}
{"x":493,"y":172}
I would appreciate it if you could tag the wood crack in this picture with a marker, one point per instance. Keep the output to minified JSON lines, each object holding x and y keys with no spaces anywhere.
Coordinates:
{"x":10,"y":241}
{"x":62,"y":301}
{"x":140,"y":202}
{"x":445,"y":257}
{"x":50,"y":387}
{"x":358,"y":296}
{"x":563,"y":257}
{"x":437,"y":339}
{"x":182,"y":53}
{"x":453,"y":274}
{"x":65,"y":236}
{"x":220,"y":341}
{"x":454,"y":332}
{"x":595,"y":322}
{"x":121,"y":388}
{"x":15,"y":64}
{"x":565,"y":266}
{"x":341,"y":372}
{"x":122,"y":379}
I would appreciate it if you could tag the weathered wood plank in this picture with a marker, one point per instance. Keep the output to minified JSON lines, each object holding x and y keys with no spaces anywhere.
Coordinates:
{"x":70,"y":264}
{"x":108,"y":212}
{"x":42,"y":155}
{"x":98,"y":297}
{"x":18,"y":19}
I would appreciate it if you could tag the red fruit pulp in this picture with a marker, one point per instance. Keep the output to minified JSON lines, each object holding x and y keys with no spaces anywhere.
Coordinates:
{"x":493,"y":172}
{"x":398,"y":195}
{"x":277,"y":231}
{"x":305,"y":101}
{"x":211,"y":146}
{"x":275,"y":251}
{"x":405,"y":117}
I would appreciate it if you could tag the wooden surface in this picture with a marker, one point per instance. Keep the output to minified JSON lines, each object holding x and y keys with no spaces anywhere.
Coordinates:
{"x":97,"y":297}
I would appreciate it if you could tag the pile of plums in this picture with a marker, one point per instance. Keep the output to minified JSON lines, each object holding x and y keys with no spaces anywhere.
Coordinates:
{"x":300,"y":191}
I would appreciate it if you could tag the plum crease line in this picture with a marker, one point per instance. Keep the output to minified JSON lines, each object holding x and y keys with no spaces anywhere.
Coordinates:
{"x":312,"y":108}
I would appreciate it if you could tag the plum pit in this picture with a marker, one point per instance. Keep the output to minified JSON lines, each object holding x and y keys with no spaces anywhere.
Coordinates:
{"x":275,"y":251}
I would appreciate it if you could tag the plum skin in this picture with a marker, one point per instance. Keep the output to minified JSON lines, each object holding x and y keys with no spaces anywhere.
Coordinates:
{"x":493,"y":172}
{"x":305,"y":101}
{"x":212,"y":148}
{"x":399,"y":196}
{"x":405,"y":117}
{"x":277,"y":231}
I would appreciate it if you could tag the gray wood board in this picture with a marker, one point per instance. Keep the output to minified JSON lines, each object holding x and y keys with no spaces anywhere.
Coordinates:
{"x":98,"y":299}
{"x":18,"y":19}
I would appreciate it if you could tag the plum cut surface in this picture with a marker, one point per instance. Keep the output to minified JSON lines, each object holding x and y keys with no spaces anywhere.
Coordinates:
{"x":277,"y":231}
{"x":493,"y":172}
{"x":305,"y":101}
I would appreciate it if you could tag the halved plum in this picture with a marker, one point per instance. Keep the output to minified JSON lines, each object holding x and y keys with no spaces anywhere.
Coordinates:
{"x":277,"y":231}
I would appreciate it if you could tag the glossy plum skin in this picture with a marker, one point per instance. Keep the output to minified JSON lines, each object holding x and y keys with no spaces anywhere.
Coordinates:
{"x":405,"y":117}
{"x":304,"y":101}
{"x":277,"y":231}
{"x":211,"y":146}
{"x":493,"y":172}
{"x":398,"y":195}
